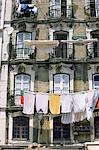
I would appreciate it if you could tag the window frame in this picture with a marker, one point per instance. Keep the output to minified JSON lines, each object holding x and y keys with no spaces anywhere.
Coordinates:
{"x":18,"y":95}
{"x":25,"y":125}
{"x":93,"y":80}
{"x":20,"y":47}
{"x":61,"y":91}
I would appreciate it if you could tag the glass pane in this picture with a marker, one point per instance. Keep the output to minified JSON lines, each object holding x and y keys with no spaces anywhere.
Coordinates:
{"x":57,"y":78}
{"x":18,"y":78}
{"x":96,"y":78}
{"x":27,"y":36}
{"x":20,"y":37}
{"x":26,"y":78}
{"x":65,"y":78}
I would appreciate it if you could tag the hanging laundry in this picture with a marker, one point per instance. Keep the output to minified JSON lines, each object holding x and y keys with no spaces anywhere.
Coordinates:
{"x":92,"y":97}
{"x":54,"y":103}
{"x":34,"y":10}
{"x":24,"y":8}
{"x":67,"y":118}
{"x":42,"y":102}
{"x":29,"y":101}
{"x":22,"y":97}
{"x":97,"y":103}
{"x":66,"y":103}
{"x":79,"y":102}
{"x":80,"y":116}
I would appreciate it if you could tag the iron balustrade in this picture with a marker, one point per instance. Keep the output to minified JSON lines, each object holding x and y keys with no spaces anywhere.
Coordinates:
{"x":24,"y":53}
{"x":92,"y":9}
{"x":58,"y":11}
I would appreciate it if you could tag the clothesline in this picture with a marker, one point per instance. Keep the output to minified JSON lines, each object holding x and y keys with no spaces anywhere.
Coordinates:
{"x":73,"y":107}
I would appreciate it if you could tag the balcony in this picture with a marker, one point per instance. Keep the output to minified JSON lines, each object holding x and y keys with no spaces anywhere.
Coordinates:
{"x":92,"y":9}
{"x":93,"y":50}
{"x":27,"y":12}
{"x":23,"y":53}
{"x":63,"y":51}
{"x":56,"y":11}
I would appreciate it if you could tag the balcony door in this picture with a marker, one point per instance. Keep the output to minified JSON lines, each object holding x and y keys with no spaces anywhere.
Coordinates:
{"x":59,"y":8}
{"x":61,"y":49}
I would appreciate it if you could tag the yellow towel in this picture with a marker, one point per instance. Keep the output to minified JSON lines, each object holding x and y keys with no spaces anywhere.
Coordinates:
{"x":54,"y":103}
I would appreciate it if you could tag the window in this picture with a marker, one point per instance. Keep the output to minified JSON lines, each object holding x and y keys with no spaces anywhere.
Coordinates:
{"x":22,"y":50}
{"x":61,"y":49}
{"x":95,"y":34}
{"x":61,"y":83}
{"x":0,"y":8}
{"x":25,"y":1}
{"x":93,"y":5}
{"x":96,"y":81}
{"x":21,"y":128}
{"x":22,"y":82}
{"x":96,"y":125}
{"x":60,"y":131}
{"x":60,"y":8}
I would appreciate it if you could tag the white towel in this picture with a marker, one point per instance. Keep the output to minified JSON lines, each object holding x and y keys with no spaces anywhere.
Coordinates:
{"x":42,"y":102}
{"x":92,"y":97}
{"x":79,"y":102}
{"x":29,"y":101}
{"x":66,"y":103}
{"x":67,"y":118}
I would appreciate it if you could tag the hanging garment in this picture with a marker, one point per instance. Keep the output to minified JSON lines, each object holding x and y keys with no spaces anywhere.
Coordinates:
{"x":29,"y":100}
{"x":91,"y":100}
{"x":24,"y":8}
{"x":22,"y":97}
{"x":79,"y":116}
{"x":34,"y":10}
{"x":54,"y":103}
{"x":66,"y":103}
{"x":67,"y":118}
{"x":97,"y":103}
{"x":79,"y":102}
{"x":42,"y":102}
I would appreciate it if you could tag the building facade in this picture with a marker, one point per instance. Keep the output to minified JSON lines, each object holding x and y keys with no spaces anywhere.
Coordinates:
{"x":66,"y":68}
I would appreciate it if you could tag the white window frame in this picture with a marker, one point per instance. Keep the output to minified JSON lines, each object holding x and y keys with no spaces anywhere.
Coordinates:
{"x":2,"y":14}
{"x":61,"y":85}
{"x":95,"y":86}
{"x":21,"y":86}
{"x":57,"y":6}
{"x":20,"y":45}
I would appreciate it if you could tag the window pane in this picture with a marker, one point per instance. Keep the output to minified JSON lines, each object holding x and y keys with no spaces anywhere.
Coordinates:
{"x":57,"y":78}
{"x":27,"y":36}
{"x":65,"y":78}
{"x":21,"y":127}
{"x":96,"y":78}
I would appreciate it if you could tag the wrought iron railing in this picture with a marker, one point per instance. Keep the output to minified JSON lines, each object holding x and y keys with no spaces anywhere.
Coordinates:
{"x":92,"y":9}
{"x":58,"y":11}
{"x":93,"y":50}
{"x":63,"y":50}
{"x":26,"y":13}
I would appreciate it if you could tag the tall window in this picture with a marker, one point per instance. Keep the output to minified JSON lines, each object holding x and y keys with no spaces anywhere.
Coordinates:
{"x":61,"y":49}
{"x":22,"y":83}
{"x":60,"y":8}
{"x":61,"y":83}
{"x":21,"y":128}
{"x":96,"y":81}
{"x":22,"y":50}
{"x":0,"y":8}
{"x":60,"y":131}
{"x":95,"y":34}
{"x":93,"y":5}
